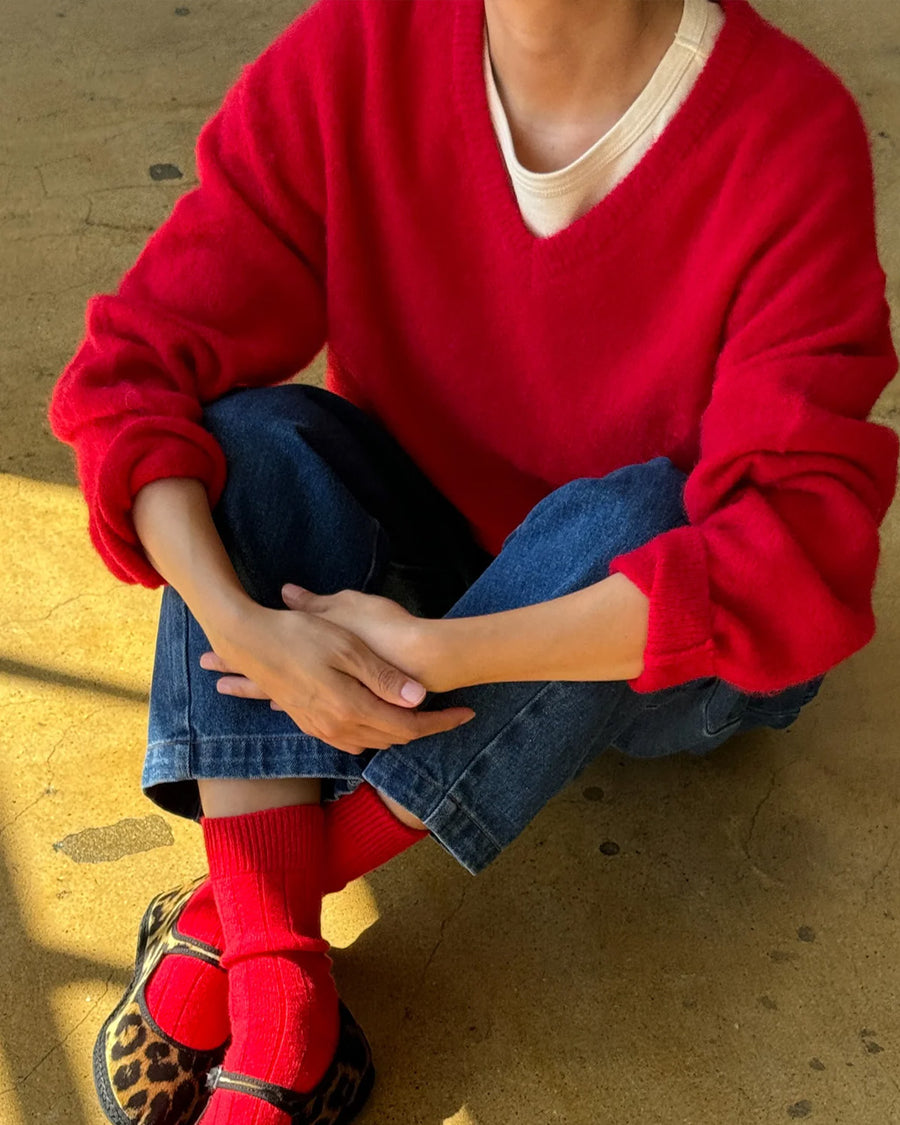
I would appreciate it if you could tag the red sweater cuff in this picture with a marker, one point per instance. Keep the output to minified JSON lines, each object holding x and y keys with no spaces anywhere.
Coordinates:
{"x":671,"y":571}
{"x":142,"y":452}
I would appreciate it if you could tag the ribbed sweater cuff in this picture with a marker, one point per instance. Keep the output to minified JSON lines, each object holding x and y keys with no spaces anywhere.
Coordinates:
{"x":142,"y":451}
{"x":672,"y":571}
{"x":274,"y":840}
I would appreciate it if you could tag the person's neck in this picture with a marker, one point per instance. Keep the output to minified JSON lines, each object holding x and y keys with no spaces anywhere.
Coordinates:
{"x":566,"y":70}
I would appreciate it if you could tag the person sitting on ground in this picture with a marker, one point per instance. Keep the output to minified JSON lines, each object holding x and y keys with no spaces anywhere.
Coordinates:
{"x":593,"y":467}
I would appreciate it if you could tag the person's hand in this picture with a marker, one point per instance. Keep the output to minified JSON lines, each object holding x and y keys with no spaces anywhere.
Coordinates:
{"x":388,"y":629}
{"x":313,"y":663}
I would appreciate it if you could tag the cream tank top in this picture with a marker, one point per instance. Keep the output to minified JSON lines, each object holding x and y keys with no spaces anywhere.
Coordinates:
{"x":550,"y":201}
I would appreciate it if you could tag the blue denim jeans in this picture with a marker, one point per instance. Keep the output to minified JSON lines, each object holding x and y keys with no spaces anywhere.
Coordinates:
{"x":320,"y":495}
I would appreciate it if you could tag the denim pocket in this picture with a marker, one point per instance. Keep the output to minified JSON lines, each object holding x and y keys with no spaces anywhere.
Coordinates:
{"x":724,"y":709}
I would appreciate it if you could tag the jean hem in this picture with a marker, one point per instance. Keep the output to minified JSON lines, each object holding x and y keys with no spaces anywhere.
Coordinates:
{"x":454,"y":826}
{"x":246,"y":757}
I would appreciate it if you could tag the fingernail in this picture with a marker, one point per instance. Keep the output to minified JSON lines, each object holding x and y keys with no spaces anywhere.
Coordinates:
{"x":292,"y":588}
{"x":412,"y":692}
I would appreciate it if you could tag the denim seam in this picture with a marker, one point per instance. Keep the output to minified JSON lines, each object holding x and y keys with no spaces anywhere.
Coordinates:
{"x":470,"y":816}
{"x":187,"y":673}
{"x":157,"y":751}
{"x":487,"y":746}
{"x":462,"y":811}
{"x":534,"y":698}
{"x":449,"y":797}
{"x":193,"y":740}
{"x":456,"y":780}
{"x":441,"y":802}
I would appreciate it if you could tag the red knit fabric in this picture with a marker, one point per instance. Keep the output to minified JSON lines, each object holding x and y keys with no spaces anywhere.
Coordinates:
{"x":361,"y":833}
{"x":723,"y":306}
{"x":266,"y":873}
{"x":187,"y":997}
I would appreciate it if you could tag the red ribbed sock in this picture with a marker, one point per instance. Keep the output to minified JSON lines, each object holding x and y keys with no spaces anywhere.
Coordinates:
{"x":188,"y":997}
{"x":266,"y":871}
{"x":361,"y":833}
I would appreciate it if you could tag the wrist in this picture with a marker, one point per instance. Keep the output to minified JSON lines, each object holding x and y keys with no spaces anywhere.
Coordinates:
{"x":229,"y":617}
{"x":434,"y":662}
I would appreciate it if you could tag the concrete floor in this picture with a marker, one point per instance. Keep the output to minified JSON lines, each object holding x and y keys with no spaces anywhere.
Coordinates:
{"x":735,"y":960}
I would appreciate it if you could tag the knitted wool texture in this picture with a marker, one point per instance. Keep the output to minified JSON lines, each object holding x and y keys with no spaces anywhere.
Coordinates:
{"x":723,"y":306}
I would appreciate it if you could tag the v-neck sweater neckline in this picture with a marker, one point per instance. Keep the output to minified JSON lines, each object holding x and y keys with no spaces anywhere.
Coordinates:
{"x":587,"y":233}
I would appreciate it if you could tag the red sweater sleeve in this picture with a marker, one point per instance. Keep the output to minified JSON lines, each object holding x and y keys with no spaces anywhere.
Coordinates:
{"x":229,"y":292}
{"x":770,"y":582}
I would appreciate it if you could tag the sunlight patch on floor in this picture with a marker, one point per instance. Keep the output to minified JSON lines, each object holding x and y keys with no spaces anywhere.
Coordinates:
{"x":463,"y":1117}
{"x":346,"y":916}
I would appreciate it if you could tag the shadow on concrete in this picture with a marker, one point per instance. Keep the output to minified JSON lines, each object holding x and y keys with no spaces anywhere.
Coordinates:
{"x":29,"y":1010}
{"x":52,"y":676}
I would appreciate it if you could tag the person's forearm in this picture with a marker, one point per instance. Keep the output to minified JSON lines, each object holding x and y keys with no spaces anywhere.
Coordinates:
{"x":176,"y":529}
{"x":598,"y":633}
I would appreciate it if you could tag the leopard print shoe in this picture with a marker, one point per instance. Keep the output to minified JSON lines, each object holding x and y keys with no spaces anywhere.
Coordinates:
{"x":338,"y":1098}
{"x":142,"y":1075}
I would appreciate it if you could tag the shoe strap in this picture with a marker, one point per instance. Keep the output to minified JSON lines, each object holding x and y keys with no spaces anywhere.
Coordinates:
{"x":188,"y":946}
{"x":288,"y":1101}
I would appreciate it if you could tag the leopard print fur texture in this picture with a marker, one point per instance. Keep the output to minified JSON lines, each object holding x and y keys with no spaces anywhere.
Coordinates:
{"x":142,"y":1076}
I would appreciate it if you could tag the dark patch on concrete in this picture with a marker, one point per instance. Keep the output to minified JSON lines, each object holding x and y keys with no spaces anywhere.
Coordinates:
{"x":689,"y":1004}
{"x":115,"y":841}
{"x":816,"y":1064}
{"x":780,"y":956}
{"x":806,"y":933}
{"x":800,"y":1109}
{"x":867,"y":1033}
{"x":165,"y":172}
{"x":872,"y":1047}
{"x":768,"y":1002}
{"x":182,"y":11}
{"x":593,"y":793}
{"x":609,"y":847}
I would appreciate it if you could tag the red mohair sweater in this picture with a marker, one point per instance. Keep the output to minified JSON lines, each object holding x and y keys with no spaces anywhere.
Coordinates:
{"x":724,"y":307}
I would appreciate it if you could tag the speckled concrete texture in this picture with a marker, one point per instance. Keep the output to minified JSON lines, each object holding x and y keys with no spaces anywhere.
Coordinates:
{"x":674,"y":943}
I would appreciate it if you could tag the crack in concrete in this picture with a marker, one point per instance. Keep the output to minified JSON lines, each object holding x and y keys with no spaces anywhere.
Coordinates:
{"x":90,"y":221}
{"x":440,"y":941}
{"x":753,"y":819}
{"x":141,"y":230}
{"x":5,"y":827}
{"x":878,"y":873}
{"x":48,"y":789}
{"x":49,"y":613}
{"x":751,"y":830}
